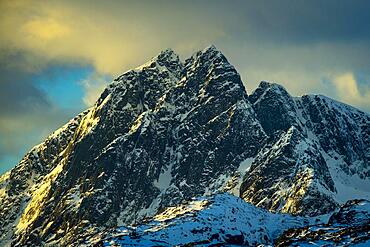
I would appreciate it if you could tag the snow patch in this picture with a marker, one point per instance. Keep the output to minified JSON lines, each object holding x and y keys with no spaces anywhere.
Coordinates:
{"x":164,"y":179}
{"x":204,"y":218}
{"x":348,"y":186}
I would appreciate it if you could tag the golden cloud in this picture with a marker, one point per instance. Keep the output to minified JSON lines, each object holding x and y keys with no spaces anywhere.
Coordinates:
{"x":111,"y":36}
{"x":348,"y":90}
{"x":45,"y":29}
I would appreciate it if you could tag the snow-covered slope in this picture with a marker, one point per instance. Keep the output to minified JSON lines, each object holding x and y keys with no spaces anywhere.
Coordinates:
{"x":349,"y":226}
{"x":226,"y":220}
{"x":221,"y":219}
{"x":172,"y":130}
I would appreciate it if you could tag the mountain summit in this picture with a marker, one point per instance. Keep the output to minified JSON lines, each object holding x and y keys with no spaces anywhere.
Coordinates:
{"x":168,"y":131}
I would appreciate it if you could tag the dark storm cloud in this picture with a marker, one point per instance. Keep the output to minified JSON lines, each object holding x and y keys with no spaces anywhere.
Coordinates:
{"x":298,"y":21}
{"x":19,"y":95}
{"x":27,"y":115}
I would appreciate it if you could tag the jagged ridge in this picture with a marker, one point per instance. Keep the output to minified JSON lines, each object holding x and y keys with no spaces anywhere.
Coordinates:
{"x":168,"y":131}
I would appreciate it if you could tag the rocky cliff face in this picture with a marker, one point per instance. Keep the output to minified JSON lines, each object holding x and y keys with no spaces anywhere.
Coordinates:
{"x":168,"y":131}
{"x":316,"y":151}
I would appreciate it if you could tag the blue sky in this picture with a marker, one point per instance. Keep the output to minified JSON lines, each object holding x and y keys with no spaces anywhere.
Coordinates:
{"x":61,"y":85}
{"x":56,"y":95}
{"x":57,"y":56}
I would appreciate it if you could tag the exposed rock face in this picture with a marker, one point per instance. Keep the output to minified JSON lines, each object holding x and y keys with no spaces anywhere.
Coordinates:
{"x":18,"y":185}
{"x":347,"y":227}
{"x":289,"y":176}
{"x":168,"y":131}
{"x":316,"y":146}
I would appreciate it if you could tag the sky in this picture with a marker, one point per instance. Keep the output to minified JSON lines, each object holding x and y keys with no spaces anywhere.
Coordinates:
{"x":57,"y":56}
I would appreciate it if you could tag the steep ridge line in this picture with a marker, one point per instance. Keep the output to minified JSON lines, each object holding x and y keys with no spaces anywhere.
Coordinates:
{"x":169,"y":131}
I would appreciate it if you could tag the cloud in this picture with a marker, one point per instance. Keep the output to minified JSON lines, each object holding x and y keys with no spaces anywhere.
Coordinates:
{"x":18,"y":94}
{"x":27,"y":115}
{"x":347,"y":90}
{"x":115,"y":36}
{"x":112,"y":37}
{"x":19,"y":133}
{"x":301,"y":22}
{"x":93,"y":87}
{"x":45,"y":29}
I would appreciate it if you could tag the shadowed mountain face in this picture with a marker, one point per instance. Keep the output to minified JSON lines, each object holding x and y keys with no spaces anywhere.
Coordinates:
{"x":168,"y":131}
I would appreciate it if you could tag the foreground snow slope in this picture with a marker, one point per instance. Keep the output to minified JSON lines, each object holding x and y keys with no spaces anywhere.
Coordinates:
{"x":226,"y":220}
{"x":349,"y":226}
{"x":205,"y":221}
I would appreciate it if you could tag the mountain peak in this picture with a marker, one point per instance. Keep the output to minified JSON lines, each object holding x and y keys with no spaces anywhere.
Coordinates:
{"x":271,"y":85}
{"x":169,"y":59}
{"x":211,"y":51}
{"x":166,"y":60}
{"x":266,"y":88}
{"x":166,"y":132}
{"x":167,"y":55}
{"x":211,"y":48}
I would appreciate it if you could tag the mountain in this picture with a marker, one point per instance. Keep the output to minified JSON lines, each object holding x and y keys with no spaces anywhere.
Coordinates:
{"x":168,"y":131}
